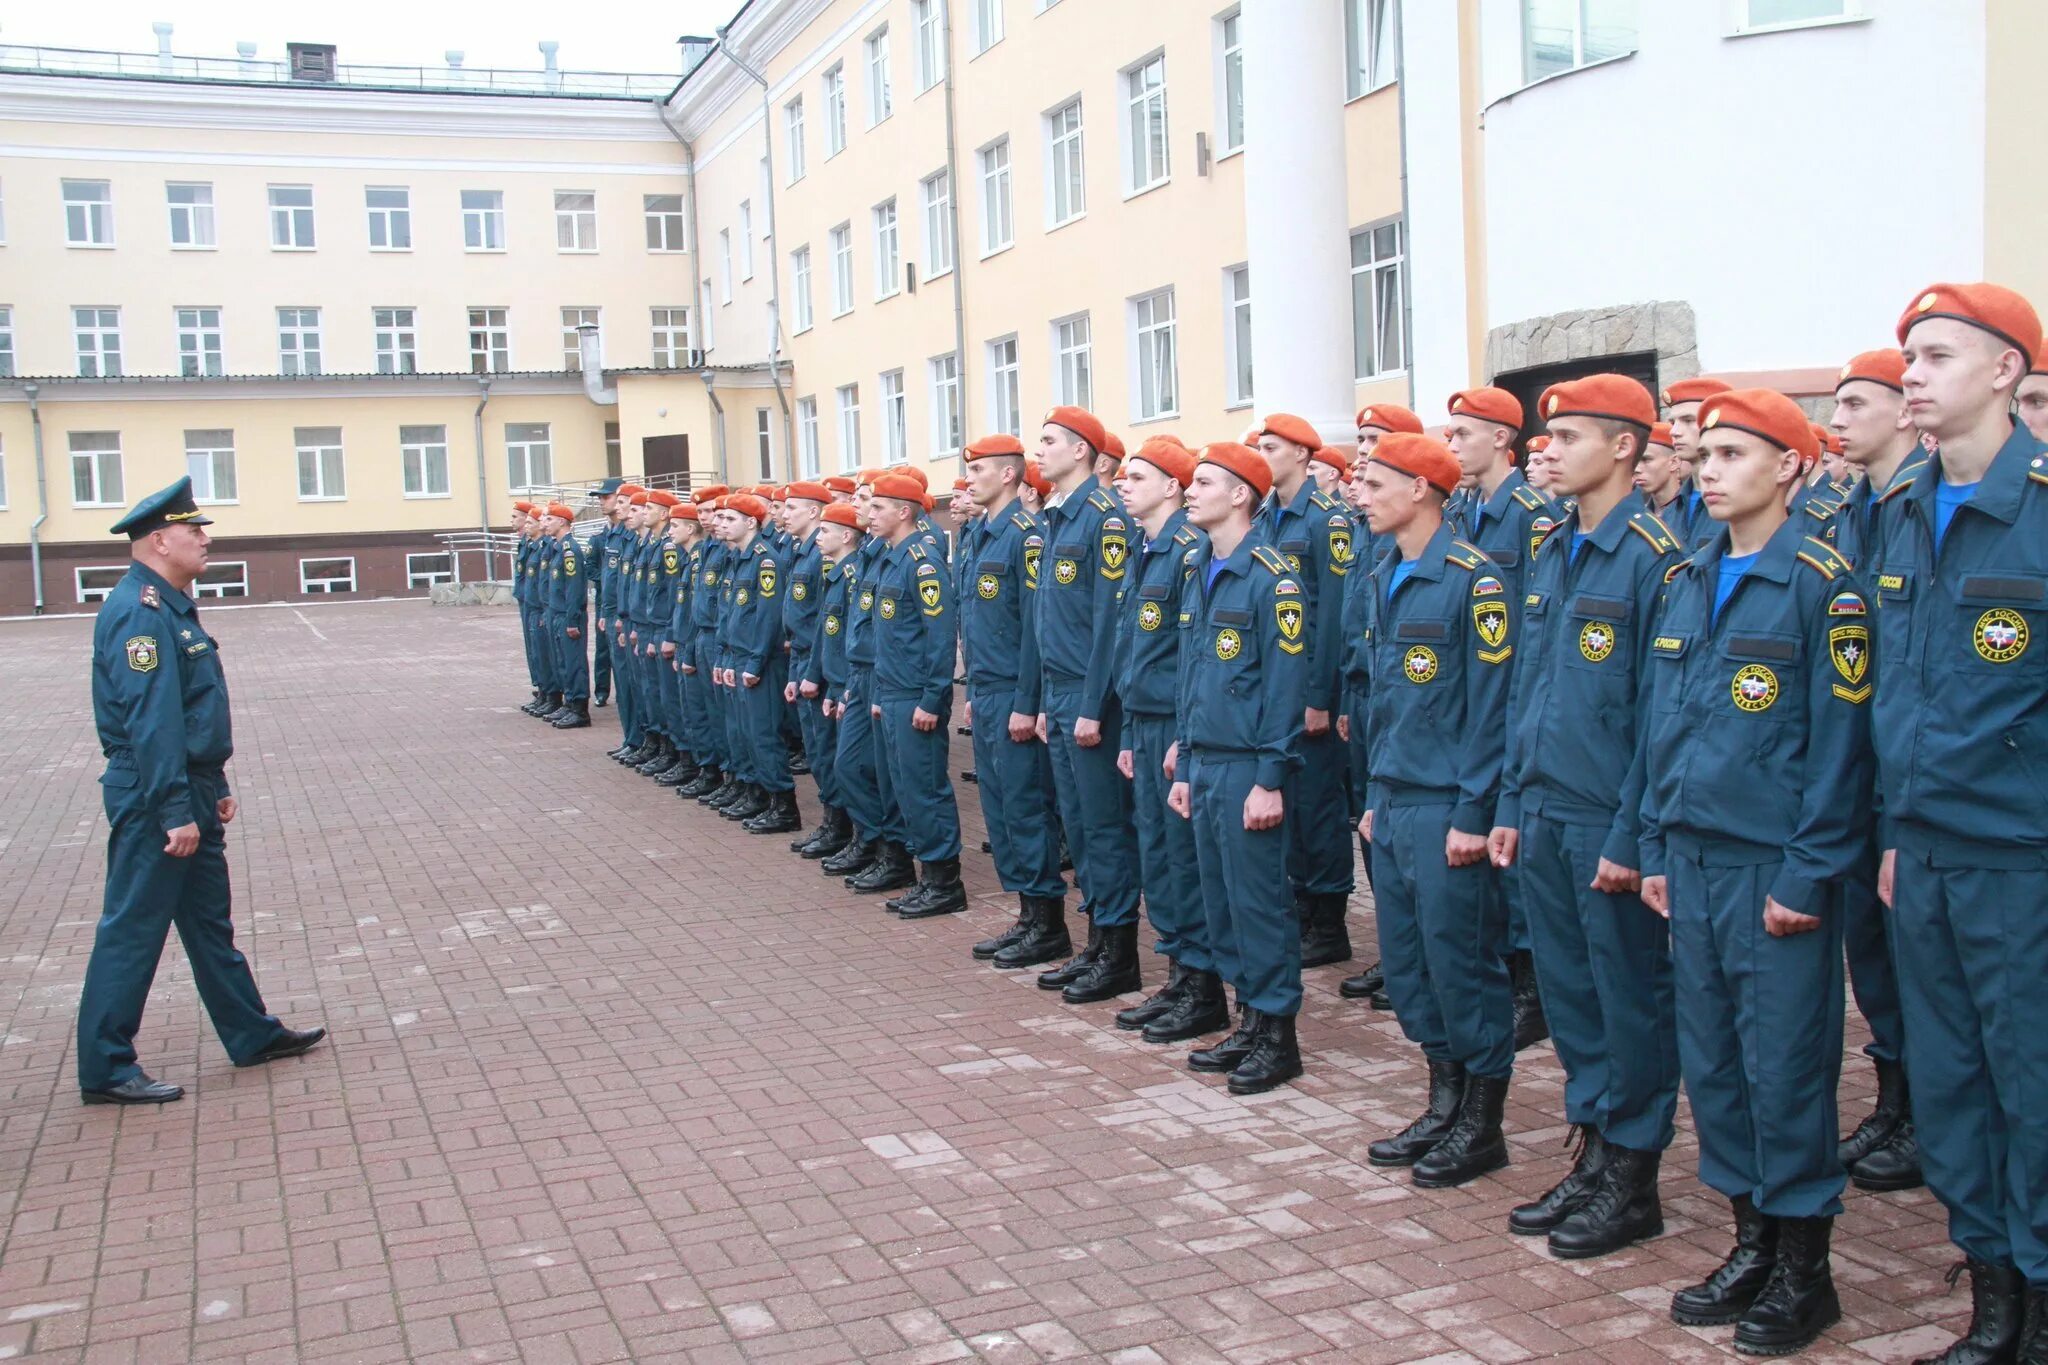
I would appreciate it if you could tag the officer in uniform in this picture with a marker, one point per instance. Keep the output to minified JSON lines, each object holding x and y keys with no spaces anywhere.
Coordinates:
{"x":601,"y":546}
{"x":1438,"y":635}
{"x":802,"y":506}
{"x":1757,"y":801}
{"x":160,"y":701}
{"x":2033,"y":399}
{"x":611,"y":585}
{"x":538,"y":552}
{"x":825,"y":677}
{"x":1570,"y":815}
{"x":567,"y":604}
{"x":1661,"y":479}
{"x":1958,"y":728}
{"x":1682,"y":399}
{"x":685,"y":538}
{"x":526,"y":527}
{"x":717,"y":781}
{"x":755,"y":668}
{"x":879,"y":861}
{"x":678,"y":765}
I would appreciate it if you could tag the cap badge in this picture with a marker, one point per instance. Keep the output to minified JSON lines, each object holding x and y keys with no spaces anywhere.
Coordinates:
{"x":1927,"y":301}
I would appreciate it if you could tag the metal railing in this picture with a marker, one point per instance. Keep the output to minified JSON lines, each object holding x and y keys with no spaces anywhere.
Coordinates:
{"x":70,"y":61}
{"x":486,"y":551}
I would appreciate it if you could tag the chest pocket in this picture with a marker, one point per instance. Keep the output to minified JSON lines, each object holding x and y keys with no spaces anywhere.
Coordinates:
{"x":1598,"y":628}
{"x":1067,"y":562}
{"x":989,"y":577}
{"x":1762,"y":674}
{"x":1296,"y":550}
{"x":1998,"y":620}
{"x":1504,"y":556}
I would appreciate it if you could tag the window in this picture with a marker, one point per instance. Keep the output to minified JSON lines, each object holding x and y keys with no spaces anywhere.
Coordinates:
{"x":1562,"y":35}
{"x":1237,"y":335}
{"x":390,"y":209}
{"x":764,"y":442}
{"x":671,"y":337}
{"x":1153,"y":335}
{"x":572,"y":338}
{"x":223,"y":579}
{"x":327,"y":575}
{"x":938,"y":224}
{"x":746,"y":239}
{"x":997,"y":231}
{"x":95,"y":585}
{"x":793,"y":123}
{"x":88,"y":213}
{"x":210,"y":460}
{"x":842,"y":270}
{"x":613,"y":465}
{"x":725,"y":265}
{"x":191,"y":215}
{"x":98,"y":332}
{"x":425,"y":570}
{"x":807,"y":434}
{"x":1066,"y":191}
{"x":423,"y":458}
{"x":708,"y":319}
{"x":849,"y":426}
{"x":1145,"y":113}
{"x":1230,"y":38}
{"x":835,"y":110}
{"x":895,"y":419}
{"x":529,"y":457}
{"x":575,"y":220}
{"x":988,"y":24}
{"x":490,"y":341}
{"x":1003,"y":398}
{"x":1377,"y":333}
{"x":931,"y":44}
{"x":291,"y":217}
{"x":483,"y":220}
{"x":881,"y":101}
{"x":198,"y":342}
{"x":6,"y":342}
{"x":396,"y":342}
{"x":96,"y":469}
{"x":1372,"y":49}
{"x":888,"y":251}
{"x":298,"y":341}
{"x":1756,"y":15}
{"x":945,"y":377}
{"x":321,"y":475}
{"x":800,"y":287}
{"x":664,"y":214}
{"x":1073,"y":352}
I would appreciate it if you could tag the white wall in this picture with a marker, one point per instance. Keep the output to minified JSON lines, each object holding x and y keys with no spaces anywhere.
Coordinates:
{"x":1432,"y":121}
{"x":1794,"y":187}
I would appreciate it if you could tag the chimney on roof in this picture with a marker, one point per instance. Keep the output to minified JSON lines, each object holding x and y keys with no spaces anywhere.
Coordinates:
{"x":454,"y":58}
{"x":695,"y":50}
{"x":551,"y":72}
{"x":163,"y":44}
{"x":310,"y":61}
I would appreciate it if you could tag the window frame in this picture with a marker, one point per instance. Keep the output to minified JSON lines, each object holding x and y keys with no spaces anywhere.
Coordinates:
{"x":1373,"y":269}
{"x":7,"y":363}
{"x":101,"y":332}
{"x":656,"y":222}
{"x":404,"y":337}
{"x":572,"y":340}
{"x":406,"y":449}
{"x":804,"y":309}
{"x":1580,"y":57}
{"x":1230,"y":82}
{"x":1140,"y":331}
{"x":807,"y":435}
{"x":1073,"y":367}
{"x":201,"y":333}
{"x":1004,"y":358}
{"x":1135,"y":95}
{"x":937,"y":213}
{"x":794,"y":140}
{"x":1742,"y":25}
{"x":206,"y":491}
{"x":489,"y":219}
{"x":929,"y":43}
{"x":497,"y":322}
{"x":115,"y":572}
{"x":98,"y":220}
{"x":287,"y":219}
{"x":433,"y":577}
{"x":764,"y":442}
{"x":1366,"y":24}
{"x":96,"y":458}
{"x":576,"y":219}
{"x":746,"y":239}
{"x":195,"y":212}
{"x":949,"y":421}
{"x":987,"y":24}
{"x":327,"y":581}
{"x":888,"y":226}
{"x":833,"y":84}
{"x":393,"y":218}
{"x":299,"y":350}
{"x":1237,"y":345}
{"x":881,"y":87}
{"x":238,"y":586}
{"x":996,"y":181}
{"x":846,"y":408}
{"x":841,"y":242}
{"x":302,"y":446}
{"x":673,"y":353}
{"x":1069,"y":145}
{"x":527,"y":444}
{"x":895,"y":400}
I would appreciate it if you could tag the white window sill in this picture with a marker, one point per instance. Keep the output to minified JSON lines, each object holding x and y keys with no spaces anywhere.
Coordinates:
{"x":830,"y":155}
{"x":1238,"y":405}
{"x":983,"y":52}
{"x":90,"y":246}
{"x":938,"y":274}
{"x":189,"y":246}
{"x":391,"y":250}
{"x":1229,"y":154}
{"x":844,"y":312}
{"x":884,"y":298}
{"x":483,"y":251}
{"x":90,"y":506}
{"x":1143,"y":190}
{"x":337,"y":497}
{"x":1832,"y":21}
{"x":216,"y":502}
{"x":576,"y":251}
{"x":882,"y":120}
{"x":425,"y":497}
{"x":668,"y":251}
{"x":293,"y":249}
{"x":1173,"y":416}
{"x":995,"y":251}
{"x":1053,"y":227}
{"x":1382,"y":376}
{"x":802,"y":331}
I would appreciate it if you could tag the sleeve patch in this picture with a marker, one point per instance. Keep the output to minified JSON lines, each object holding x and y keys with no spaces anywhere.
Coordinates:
{"x":1847,"y":604}
{"x":142,"y":653}
{"x":1486,"y":585}
{"x":1287,"y":587}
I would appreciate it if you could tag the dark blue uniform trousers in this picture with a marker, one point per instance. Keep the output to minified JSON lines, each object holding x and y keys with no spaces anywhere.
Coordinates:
{"x":854,"y":764}
{"x":1867,"y":936}
{"x":1759,"y":1037}
{"x":1254,"y":939}
{"x":1319,"y":861}
{"x":1095,"y":807}
{"x":757,"y":715}
{"x":538,"y":666}
{"x":147,"y":892}
{"x":1016,"y":801}
{"x":1441,"y":930}
{"x":717,"y":734}
{"x":1167,"y":858}
{"x":692,"y":690}
{"x":923,"y":788}
{"x":601,"y":669}
{"x":1972,"y":960}
{"x":572,"y":665}
{"x":668,"y":694}
{"x":819,"y":738}
{"x":1604,"y":964}
{"x":627,"y":696}
{"x":895,"y":828}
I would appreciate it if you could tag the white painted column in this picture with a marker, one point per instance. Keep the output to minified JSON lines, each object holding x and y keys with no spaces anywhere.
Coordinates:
{"x":1297,"y":224}
{"x":1439,"y":359}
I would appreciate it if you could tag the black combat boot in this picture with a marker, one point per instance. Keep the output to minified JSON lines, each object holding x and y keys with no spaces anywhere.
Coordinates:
{"x":1229,"y":1054}
{"x":825,"y":814}
{"x":1877,"y":1125}
{"x":679,"y":773}
{"x":1726,"y":1294}
{"x":1070,"y":971}
{"x":728,"y":787}
{"x":1565,"y":1197}
{"x":1326,"y":936}
{"x":702,"y":785}
{"x":531,"y":708}
{"x":1275,"y":1058}
{"x":1114,"y":971}
{"x":799,"y":763}
{"x":1381,"y":1001}
{"x":943,"y":893}
{"x":1530,"y":1025}
{"x":836,"y":834}
{"x":1798,"y":1302}
{"x":1045,"y":937}
{"x":1200,"y":1010}
{"x":780,"y":816}
{"x":574,"y":715}
{"x":752,"y":800}
{"x":915,"y":896}
{"x":659,"y":755}
{"x":1365,"y":985}
{"x":989,"y":947}
{"x":2033,"y":1349}
{"x":1475,"y":1144}
{"x":891,"y":871}
{"x":1624,"y":1208}
{"x":1446,"y":1094}
{"x":1157,"y":1003}
{"x":1998,"y":1304}
{"x":1894,"y":1166}
{"x":633,"y":755}
{"x":551,"y":706}
{"x":854,"y":858}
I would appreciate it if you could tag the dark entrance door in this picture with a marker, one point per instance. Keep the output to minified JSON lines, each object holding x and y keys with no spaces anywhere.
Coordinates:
{"x":665,"y":454}
{"x":1528,"y":385}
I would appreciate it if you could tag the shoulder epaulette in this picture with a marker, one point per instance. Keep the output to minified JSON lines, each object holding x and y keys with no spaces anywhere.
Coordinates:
{"x":1820,"y":556}
{"x":1321,"y":499}
{"x":1528,"y":497}
{"x":916,"y":550}
{"x":1908,"y":474}
{"x":1184,"y":536}
{"x":1191,"y":556}
{"x":1651,"y":528}
{"x":1020,"y":521}
{"x":1671,"y":574}
{"x":1101,"y":501}
{"x":1820,"y":509}
{"x":1465,"y":555}
{"x":2038,"y":469}
{"x":1268,"y":557}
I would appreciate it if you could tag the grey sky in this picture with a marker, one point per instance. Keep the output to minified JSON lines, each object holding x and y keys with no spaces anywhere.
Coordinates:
{"x":594,"y":37}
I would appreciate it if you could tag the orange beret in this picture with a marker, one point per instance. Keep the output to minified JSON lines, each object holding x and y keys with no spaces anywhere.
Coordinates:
{"x":629,"y":489}
{"x":1488,"y":404}
{"x":1288,"y":427}
{"x":520,"y":506}
{"x":809,"y":492}
{"x":842,"y":514}
{"x":1419,"y":457}
{"x":1825,"y":439}
{"x":842,"y":483}
{"x":927,"y":503}
{"x":959,"y":485}
{"x":901,"y":487}
{"x":1609,"y":397}
{"x":661,"y":497}
{"x":1336,"y":458}
{"x":1390,"y":417}
{"x":1692,"y":390}
{"x":716,"y":490}
{"x":1992,"y":307}
{"x":747,"y":505}
{"x":1765,"y":413}
{"x":1169,"y":457}
{"x":1886,"y":367}
{"x":1240,"y":460}
{"x":998,"y":444}
{"x":1539,"y":444}
{"x":1035,"y":477}
{"x":1082,"y":423}
{"x":638,"y":499}
{"x":1660,"y":435}
{"x":556,"y":509}
{"x":684,"y":511}
{"x":1112,"y":444}
{"x":868,"y":477}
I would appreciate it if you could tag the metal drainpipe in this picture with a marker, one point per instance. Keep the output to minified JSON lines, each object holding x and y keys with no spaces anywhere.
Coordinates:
{"x":774,"y":252}
{"x":953,"y":230}
{"x":483,"y":494}
{"x":690,"y":198}
{"x":718,"y":431}
{"x":35,"y":528}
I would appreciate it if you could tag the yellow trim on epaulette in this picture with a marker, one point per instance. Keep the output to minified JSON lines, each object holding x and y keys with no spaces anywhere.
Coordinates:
{"x":1528,"y":497}
{"x":1319,"y":498}
{"x":1101,"y":501}
{"x":1826,"y":563}
{"x":1184,"y":536}
{"x":916,"y":550}
{"x":1020,"y":521}
{"x":1821,"y":510}
{"x":1269,"y":557}
{"x":1655,"y":531}
{"x":1472,"y":558}
{"x":1906,"y":476}
{"x":1676,"y":569}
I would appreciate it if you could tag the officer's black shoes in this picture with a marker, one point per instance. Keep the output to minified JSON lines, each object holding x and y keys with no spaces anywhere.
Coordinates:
{"x":574,"y":716}
{"x":1325,"y":937}
{"x":1275,"y":1058}
{"x":137,"y":1089}
{"x":1045,"y":935}
{"x":798,"y":764}
{"x":1998,"y":1303}
{"x":969,"y":775}
{"x":532,"y":708}
{"x":1229,"y":1054}
{"x":1884,"y":1151}
{"x":892,"y":870}
{"x":1877,"y":1126}
{"x":780,"y":816}
{"x":854,"y":858}
{"x":702,"y":785}
{"x":1381,"y":1002}
{"x":1114,"y":971}
{"x":1446,"y":1095}
{"x":600,"y":699}
{"x":752,"y":800}
{"x":1894,"y":1166}
{"x":987,"y":949}
{"x":1798,"y":1302}
{"x":1624,"y":1208}
{"x":1200,"y":1010}
{"x":658,"y":757}
{"x":1070,"y":971}
{"x":943,"y":893}
{"x":679,"y":773}
{"x":289,"y":1042}
{"x":1565,"y":1197}
{"x":1159,"y":1002}
{"x":1475,"y":1144}
{"x":2034,"y":1329}
{"x":1531,"y":1027}
{"x":1726,"y":1295}
{"x":726,"y":789}
{"x":548,"y":705}
{"x":834,"y":832}
{"x":1363,"y":986}
{"x":796,"y":845}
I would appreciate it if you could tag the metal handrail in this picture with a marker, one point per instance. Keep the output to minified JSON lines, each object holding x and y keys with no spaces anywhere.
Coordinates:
{"x":70,"y":61}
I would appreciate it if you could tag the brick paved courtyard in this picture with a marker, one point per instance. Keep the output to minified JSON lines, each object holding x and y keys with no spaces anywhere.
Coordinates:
{"x":611,"y":1080}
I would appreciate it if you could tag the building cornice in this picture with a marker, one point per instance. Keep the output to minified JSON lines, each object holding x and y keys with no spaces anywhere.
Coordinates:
{"x":761,"y":33}
{"x":177,"y":388}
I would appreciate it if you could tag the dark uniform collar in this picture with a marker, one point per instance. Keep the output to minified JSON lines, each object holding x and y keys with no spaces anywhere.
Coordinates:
{"x":1429,"y":565}
{"x":1496,"y":506}
{"x":1774,"y":561}
{"x":1998,"y":492}
{"x":1077,"y":499}
{"x":1296,"y":506}
{"x":1166,"y":532}
{"x":169,"y":596}
{"x":1607,"y":535}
